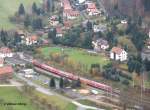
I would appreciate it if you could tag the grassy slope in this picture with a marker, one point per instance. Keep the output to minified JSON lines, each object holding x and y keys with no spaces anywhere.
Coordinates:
{"x":9,"y":7}
{"x":11,"y":94}
{"x":77,"y":55}
{"x":57,"y":101}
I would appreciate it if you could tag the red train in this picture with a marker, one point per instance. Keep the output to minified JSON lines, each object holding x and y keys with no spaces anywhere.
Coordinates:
{"x":73,"y":77}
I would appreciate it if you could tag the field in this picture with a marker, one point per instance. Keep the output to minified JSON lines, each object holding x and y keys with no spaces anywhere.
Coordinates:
{"x":77,"y":55}
{"x":8,"y":8}
{"x":57,"y":101}
{"x":12,"y":95}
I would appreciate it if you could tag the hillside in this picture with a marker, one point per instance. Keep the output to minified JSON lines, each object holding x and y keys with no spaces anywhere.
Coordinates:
{"x":8,"y":8}
{"x":128,"y":7}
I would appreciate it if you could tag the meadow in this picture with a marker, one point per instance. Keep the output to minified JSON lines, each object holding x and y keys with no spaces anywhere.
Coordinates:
{"x":77,"y":55}
{"x":9,"y":7}
{"x":12,"y":95}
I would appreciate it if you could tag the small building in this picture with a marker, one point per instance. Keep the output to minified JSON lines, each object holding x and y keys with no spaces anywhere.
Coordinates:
{"x":1,"y":62}
{"x":81,"y":1}
{"x":118,"y":54}
{"x":6,"y":72}
{"x":124,"y":21}
{"x":67,"y":24}
{"x":99,"y":28}
{"x":70,"y":14}
{"x":54,"y":21}
{"x":59,"y":32}
{"x":100,"y":44}
{"x":148,"y":43}
{"x":145,"y":54}
{"x":92,"y":9}
{"x":31,"y":40}
{"x":5,"y":52}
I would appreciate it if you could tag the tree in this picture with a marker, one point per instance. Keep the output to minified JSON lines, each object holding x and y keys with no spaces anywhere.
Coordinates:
{"x":34,"y":8}
{"x":37,"y":23}
{"x":49,"y":5}
{"x":147,"y":64}
{"x":27,"y":21}
{"x":4,"y":37}
{"x":52,"y":83}
{"x":61,"y":83}
{"x":17,"y":38}
{"x":78,"y":83}
{"x":87,"y":42}
{"x":89,"y":25}
{"x":21,"y":10}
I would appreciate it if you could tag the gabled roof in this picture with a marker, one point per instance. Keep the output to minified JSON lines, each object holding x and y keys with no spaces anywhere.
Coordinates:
{"x":1,"y":61}
{"x":6,"y":70}
{"x":5,"y":50}
{"x":59,"y":30}
{"x":117,"y":50}
{"x":102,"y":42}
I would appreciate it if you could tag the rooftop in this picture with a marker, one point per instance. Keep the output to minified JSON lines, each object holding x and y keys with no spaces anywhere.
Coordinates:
{"x":117,"y":50}
{"x":6,"y":70}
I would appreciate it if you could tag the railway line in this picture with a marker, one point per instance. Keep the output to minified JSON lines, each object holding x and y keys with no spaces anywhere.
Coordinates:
{"x":71,"y":76}
{"x":94,"y":84}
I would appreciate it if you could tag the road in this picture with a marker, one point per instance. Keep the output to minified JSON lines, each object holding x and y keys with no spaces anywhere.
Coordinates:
{"x":48,"y":92}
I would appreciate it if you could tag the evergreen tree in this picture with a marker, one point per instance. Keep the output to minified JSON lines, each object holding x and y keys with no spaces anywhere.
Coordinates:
{"x":34,"y":8}
{"x":37,"y":23}
{"x":17,"y":39}
{"x":27,"y":21}
{"x":61,"y":83}
{"x":78,"y":83}
{"x":89,"y":25}
{"x":49,"y":5}
{"x":52,"y":83}
{"x":4,"y":37}
{"x":21,"y":10}
{"x":147,"y":64}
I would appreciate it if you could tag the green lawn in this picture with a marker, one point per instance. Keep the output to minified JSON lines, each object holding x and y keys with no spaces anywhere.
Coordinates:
{"x":9,"y":7}
{"x":77,"y":55}
{"x":57,"y":101}
{"x":12,"y":95}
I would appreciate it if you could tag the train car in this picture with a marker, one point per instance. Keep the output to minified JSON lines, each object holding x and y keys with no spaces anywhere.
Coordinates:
{"x":73,"y":77}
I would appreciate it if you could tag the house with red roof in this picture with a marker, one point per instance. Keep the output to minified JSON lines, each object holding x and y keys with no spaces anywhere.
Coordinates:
{"x":31,"y":40}
{"x":118,"y":53}
{"x":1,"y":62}
{"x":54,"y":20}
{"x":59,"y":32}
{"x":5,"y":52}
{"x":67,"y":24}
{"x":92,"y":9}
{"x":70,"y":14}
{"x":6,"y":72}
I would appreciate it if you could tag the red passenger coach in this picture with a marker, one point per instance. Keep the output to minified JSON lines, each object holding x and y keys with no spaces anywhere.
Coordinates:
{"x":72,"y":77}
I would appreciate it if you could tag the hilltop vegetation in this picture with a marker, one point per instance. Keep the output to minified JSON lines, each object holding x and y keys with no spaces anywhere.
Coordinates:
{"x":8,"y":8}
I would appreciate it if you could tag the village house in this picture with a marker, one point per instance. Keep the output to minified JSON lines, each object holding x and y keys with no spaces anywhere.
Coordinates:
{"x":70,"y":14}
{"x":118,"y":54}
{"x":6,"y":72}
{"x":148,"y":43}
{"x":1,"y":62}
{"x":5,"y":52}
{"x":100,"y":45}
{"x":67,"y":25}
{"x":59,"y":32}
{"x":99,"y":28}
{"x":30,"y":40}
{"x":54,"y":21}
{"x":124,"y":21}
{"x":92,"y":9}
